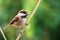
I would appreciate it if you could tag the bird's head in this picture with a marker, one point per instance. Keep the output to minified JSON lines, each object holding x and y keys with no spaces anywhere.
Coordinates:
{"x":22,"y":14}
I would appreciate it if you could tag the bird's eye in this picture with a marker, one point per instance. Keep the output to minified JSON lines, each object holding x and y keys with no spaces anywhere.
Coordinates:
{"x":23,"y":12}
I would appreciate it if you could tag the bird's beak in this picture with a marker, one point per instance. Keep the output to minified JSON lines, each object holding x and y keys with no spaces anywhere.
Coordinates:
{"x":27,"y":14}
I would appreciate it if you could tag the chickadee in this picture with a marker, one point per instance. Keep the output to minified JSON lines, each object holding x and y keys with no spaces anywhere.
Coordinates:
{"x":19,"y":19}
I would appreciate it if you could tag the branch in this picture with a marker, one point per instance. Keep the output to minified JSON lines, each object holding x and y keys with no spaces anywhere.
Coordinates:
{"x":20,"y":34}
{"x":2,"y":33}
{"x":35,"y":9}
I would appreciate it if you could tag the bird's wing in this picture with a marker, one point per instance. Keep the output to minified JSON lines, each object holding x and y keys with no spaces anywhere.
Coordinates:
{"x":14,"y":20}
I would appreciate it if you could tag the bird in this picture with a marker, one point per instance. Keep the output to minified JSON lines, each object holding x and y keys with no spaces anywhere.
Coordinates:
{"x":19,"y":19}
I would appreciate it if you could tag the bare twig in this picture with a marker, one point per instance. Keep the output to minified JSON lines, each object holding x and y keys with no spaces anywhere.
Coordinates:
{"x":35,"y":9}
{"x":2,"y":33}
{"x":20,"y":34}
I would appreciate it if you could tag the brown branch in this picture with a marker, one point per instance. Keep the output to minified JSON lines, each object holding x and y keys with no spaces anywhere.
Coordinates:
{"x":2,"y":33}
{"x":35,"y":9}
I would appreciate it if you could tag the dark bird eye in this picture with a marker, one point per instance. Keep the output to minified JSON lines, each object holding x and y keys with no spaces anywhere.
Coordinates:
{"x":23,"y":12}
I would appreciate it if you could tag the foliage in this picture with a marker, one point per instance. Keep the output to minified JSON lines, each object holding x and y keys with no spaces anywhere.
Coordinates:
{"x":43,"y":26}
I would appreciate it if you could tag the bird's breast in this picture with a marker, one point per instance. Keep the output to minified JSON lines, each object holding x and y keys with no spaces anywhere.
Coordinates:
{"x":24,"y":21}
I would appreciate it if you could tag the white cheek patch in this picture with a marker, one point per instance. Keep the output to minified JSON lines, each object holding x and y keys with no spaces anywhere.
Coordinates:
{"x":21,"y":14}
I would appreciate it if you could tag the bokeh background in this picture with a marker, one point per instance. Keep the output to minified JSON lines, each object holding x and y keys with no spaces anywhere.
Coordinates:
{"x":45,"y":25}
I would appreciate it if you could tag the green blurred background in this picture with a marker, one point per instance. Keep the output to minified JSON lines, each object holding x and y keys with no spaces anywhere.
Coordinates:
{"x":45,"y":25}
